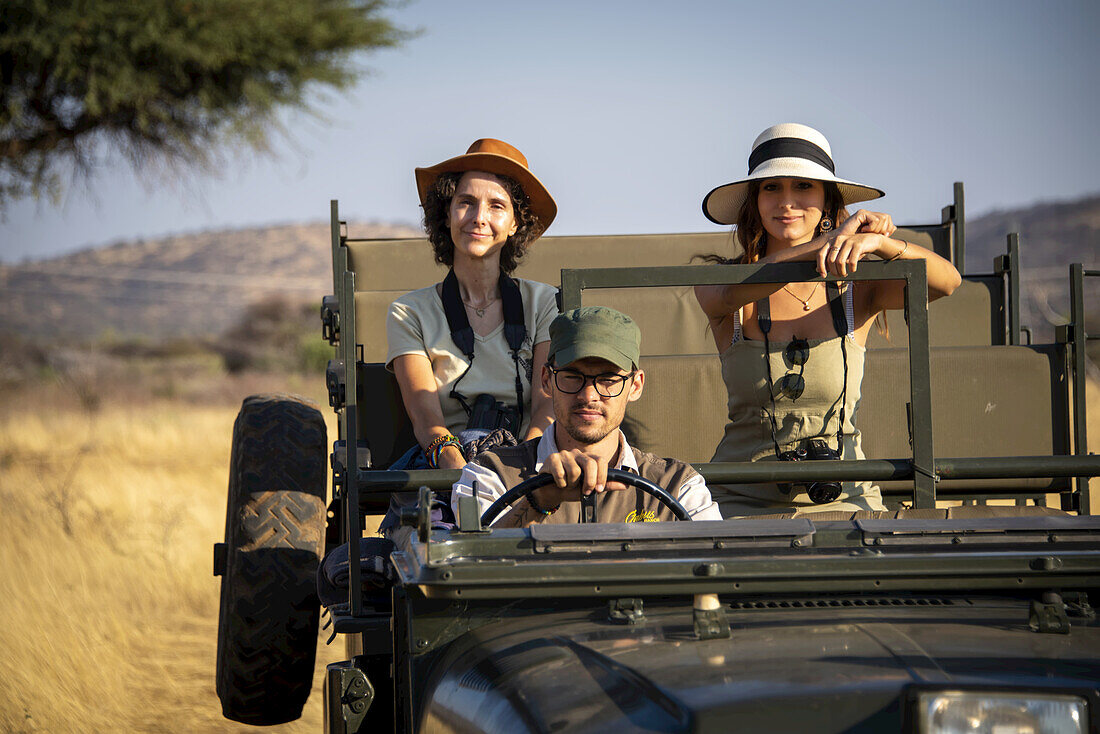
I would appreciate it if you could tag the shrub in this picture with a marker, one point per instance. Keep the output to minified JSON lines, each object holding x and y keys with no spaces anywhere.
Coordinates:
{"x":275,"y":335}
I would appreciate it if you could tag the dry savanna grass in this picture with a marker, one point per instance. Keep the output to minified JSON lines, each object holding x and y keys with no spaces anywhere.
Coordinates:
{"x":111,"y":506}
{"x":108,"y":602}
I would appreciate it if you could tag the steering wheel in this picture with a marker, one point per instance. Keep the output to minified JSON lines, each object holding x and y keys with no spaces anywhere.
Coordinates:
{"x":525,"y":488}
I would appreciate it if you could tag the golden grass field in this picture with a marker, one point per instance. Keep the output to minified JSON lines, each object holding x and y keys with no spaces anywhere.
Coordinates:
{"x":111,"y":505}
{"x":112,"y":499}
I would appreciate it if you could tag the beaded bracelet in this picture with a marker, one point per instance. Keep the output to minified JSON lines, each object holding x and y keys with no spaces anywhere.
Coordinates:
{"x":537,"y":507}
{"x":438,"y":440}
{"x":433,"y":459}
{"x":436,"y":447}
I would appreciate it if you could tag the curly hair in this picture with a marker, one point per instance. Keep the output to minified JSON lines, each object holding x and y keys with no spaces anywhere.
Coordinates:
{"x":437,"y":207}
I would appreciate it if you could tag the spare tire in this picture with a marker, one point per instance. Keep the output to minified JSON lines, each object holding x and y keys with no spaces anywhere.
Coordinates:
{"x":274,"y":539}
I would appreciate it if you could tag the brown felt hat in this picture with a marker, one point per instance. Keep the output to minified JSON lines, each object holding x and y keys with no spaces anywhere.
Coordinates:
{"x":499,"y":158}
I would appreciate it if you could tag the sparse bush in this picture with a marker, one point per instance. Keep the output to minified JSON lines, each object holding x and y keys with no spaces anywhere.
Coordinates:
{"x":314,"y":354}
{"x":275,"y":335}
{"x":20,"y":358}
{"x":139,"y":347}
{"x":235,"y":359}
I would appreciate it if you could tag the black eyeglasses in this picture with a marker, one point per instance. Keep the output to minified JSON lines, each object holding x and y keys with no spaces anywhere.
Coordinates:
{"x":791,"y":385}
{"x":608,"y":385}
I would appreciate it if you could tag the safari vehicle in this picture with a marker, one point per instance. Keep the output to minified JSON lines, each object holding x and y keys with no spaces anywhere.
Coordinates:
{"x":965,"y":607}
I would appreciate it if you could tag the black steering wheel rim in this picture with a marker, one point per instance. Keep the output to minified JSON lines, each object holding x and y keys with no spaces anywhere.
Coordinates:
{"x":541,"y":480}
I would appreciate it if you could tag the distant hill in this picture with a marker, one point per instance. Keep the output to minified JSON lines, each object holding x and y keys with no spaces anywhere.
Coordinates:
{"x":1052,"y":235}
{"x":194,"y":285}
{"x":199,"y":285}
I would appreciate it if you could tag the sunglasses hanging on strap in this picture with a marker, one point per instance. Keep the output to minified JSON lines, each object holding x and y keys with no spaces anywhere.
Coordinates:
{"x":462,"y":334}
{"x":797,"y":352}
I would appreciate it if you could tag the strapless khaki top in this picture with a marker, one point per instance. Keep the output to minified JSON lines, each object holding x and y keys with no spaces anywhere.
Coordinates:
{"x":814,"y":414}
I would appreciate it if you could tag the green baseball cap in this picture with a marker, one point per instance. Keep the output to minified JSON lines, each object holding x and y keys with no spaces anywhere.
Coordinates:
{"x":595,"y":331}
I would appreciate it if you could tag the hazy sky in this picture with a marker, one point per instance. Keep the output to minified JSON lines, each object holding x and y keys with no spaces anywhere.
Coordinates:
{"x":630,"y":112}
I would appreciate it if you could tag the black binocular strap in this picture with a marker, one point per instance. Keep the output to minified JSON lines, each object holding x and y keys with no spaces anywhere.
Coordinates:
{"x":840,"y":324}
{"x":836,"y":306}
{"x":462,"y":334}
{"x":764,"y":321}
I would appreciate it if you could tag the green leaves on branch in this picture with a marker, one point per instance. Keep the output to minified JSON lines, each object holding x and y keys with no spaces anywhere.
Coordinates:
{"x":166,"y":80}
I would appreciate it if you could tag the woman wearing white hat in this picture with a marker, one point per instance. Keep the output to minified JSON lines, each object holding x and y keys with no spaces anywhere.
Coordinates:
{"x":464,"y":350}
{"x":792,"y":354}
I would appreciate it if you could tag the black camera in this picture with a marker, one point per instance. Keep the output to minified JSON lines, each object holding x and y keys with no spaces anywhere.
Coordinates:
{"x":488,"y":412}
{"x":820,"y":493}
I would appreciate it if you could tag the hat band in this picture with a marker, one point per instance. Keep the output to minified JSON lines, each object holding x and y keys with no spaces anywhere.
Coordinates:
{"x":789,"y":148}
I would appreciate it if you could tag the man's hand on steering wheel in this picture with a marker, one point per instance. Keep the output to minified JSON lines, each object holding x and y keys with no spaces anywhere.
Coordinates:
{"x":575,"y":473}
{"x":529,"y":486}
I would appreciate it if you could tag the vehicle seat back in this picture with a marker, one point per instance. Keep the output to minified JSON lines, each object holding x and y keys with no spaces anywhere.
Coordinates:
{"x":669,"y":318}
{"x":986,"y":401}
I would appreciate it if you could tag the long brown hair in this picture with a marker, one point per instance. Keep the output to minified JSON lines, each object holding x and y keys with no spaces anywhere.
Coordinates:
{"x":750,"y":233}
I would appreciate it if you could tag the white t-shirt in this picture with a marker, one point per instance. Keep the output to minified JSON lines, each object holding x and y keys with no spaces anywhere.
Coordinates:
{"x":417,"y":324}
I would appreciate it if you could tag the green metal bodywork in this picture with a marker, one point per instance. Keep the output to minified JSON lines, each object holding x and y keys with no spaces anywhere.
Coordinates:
{"x":856,"y":611}
{"x":827,"y":625}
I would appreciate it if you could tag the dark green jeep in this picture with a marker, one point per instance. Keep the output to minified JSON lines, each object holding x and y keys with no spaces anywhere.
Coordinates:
{"x":964,"y":608}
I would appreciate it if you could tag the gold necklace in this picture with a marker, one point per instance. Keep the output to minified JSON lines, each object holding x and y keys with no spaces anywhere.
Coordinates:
{"x":481,"y":311}
{"x":805,"y":303}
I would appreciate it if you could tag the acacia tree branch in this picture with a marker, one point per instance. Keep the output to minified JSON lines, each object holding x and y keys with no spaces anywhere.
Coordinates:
{"x":166,"y":80}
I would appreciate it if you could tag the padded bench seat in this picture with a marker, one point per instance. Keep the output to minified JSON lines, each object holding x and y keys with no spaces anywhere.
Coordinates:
{"x":672,"y":323}
{"x":986,"y":401}
{"x":405,"y":264}
{"x":670,"y":319}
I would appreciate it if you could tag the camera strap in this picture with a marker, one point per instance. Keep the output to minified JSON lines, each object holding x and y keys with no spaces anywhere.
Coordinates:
{"x":840,"y":324}
{"x":462,"y":334}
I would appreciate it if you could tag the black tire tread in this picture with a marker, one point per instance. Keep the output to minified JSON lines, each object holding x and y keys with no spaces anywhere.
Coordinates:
{"x":275,"y":522}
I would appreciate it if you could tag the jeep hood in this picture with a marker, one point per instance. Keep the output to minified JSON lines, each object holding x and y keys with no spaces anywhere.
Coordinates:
{"x":826,"y":669}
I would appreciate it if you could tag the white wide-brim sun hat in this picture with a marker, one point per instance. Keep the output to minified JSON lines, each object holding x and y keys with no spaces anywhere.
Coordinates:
{"x":788,"y":150}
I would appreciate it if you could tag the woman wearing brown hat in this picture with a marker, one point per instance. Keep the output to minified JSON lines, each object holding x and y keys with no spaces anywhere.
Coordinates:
{"x":792,"y":354}
{"x":464,"y":350}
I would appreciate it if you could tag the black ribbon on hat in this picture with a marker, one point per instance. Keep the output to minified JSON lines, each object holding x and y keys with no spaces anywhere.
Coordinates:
{"x":789,"y":148}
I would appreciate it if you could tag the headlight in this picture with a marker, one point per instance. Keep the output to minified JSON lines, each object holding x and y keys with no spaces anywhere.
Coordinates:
{"x":979,"y":712}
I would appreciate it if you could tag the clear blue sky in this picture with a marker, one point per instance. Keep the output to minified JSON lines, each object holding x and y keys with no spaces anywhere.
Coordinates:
{"x":631,"y":111}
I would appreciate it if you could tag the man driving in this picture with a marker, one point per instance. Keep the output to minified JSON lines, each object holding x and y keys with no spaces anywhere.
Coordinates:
{"x":591,"y":373}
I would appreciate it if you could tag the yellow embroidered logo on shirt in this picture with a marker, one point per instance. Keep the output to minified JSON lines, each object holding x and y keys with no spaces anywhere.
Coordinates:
{"x":645,"y":516}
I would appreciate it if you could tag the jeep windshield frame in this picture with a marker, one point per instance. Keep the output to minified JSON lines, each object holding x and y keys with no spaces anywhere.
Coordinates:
{"x":912,"y":272}
{"x":423,"y":556}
